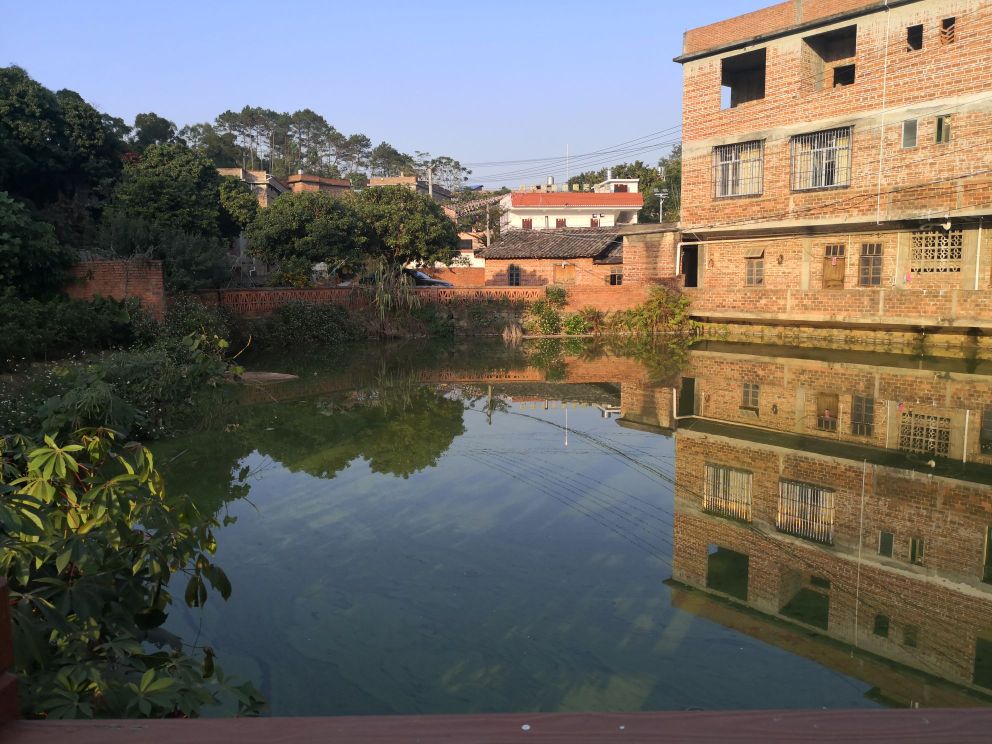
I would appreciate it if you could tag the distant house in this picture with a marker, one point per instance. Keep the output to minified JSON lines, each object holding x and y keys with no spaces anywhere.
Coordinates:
{"x":613,"y":202}
{"x":438,"y":193}
{"x":300,"y":182}
{"x":593,"y":256}
{"x":265,"y":186}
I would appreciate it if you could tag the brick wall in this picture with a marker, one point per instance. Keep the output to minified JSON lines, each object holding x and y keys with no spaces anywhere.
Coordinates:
{"x":536,"y":272}
{"x":120,"y":279}
{"x":460,"y":276}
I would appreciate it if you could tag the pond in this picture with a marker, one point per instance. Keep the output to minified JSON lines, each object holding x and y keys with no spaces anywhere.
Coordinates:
{"x":483,"y":528}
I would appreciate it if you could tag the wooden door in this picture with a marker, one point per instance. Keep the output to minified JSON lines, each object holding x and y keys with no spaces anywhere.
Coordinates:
{"x":565,"y":274}
{"x":834,"y":267}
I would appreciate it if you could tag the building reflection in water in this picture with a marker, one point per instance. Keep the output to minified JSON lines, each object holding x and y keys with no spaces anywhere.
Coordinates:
{"x":837,"y":505}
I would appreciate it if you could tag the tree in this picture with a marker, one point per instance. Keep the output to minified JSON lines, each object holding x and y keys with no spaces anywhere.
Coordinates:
{"x":312,"y":225}
{"x":152,"y":129}
{"x":173,"y":186}
{"x":239,"y":205}
{"x":386,"y":160}
{"x":445,"y":171}
{"x":406,"y":227}
{"x":221,"y":148}
{"x":32,"y":261}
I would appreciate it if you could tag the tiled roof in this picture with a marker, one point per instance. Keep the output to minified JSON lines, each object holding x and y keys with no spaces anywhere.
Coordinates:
{"x":576,"y":199}
{"x":588,"y":243}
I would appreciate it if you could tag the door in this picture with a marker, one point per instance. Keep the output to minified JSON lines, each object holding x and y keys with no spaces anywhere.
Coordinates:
{"x":690,"y":265}
{"x":565,"y":274}
{"x":834,"y":267}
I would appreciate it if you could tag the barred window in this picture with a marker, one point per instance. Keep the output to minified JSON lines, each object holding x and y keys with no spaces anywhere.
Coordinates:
{"x":806,"y":510}
{"x":738,"y":170}
{"x":925,"y":434}
{"x":513,"y":275}
{"x":870,"y":269}
{"x":727,"y":491}
{"x":862,"y":415}
{"x":936,"y":251}
{"x":822,"y":159}
{"x":749,"y":395}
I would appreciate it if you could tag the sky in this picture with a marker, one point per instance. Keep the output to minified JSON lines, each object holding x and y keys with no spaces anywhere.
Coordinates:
{"x":484,"y":83}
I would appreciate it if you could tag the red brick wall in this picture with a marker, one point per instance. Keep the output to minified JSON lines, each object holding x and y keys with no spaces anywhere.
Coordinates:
{"x":461,"y":276}
{"x":544,"y":271}
{"x":120,"y":279}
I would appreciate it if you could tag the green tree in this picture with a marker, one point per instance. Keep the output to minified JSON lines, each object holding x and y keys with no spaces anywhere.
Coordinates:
{"x":32,"y":261}
{"x":152,"y":129}
{"x":91,"y":543}
{"x":221,"y":148}
{"x":311,"y":225}
{"x":173,"y":186}
{"x":406,"y":227}
{"x":239,"y":205}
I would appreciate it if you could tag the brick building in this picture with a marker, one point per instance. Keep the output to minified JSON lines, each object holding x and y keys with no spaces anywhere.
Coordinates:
{"x":264,"y":185}
{"x":611,"y":203}
{"x":306,"y":182}
{"x":437,"y":193}
{"x":837,"y":165}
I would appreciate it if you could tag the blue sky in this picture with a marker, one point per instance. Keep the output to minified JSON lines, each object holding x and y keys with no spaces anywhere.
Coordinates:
{"x":477,"y":81}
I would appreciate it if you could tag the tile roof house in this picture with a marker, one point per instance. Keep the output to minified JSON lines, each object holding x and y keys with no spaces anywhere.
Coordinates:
{"x":593,"y":256}
{"x":615,"y":201}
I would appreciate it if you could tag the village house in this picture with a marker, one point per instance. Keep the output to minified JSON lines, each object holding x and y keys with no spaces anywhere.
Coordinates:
{"x":615,"y":201}
{"x":264,"y":185}
{"x":837,"y":165}
{"x":436,"y":192}
{"x":301,"y":181}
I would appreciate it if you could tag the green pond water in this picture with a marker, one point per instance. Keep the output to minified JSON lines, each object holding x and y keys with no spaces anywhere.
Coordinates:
{"x":477,"y":528}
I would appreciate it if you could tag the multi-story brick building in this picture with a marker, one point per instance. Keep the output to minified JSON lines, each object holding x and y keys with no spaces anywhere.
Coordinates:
{"x":837,"y":164}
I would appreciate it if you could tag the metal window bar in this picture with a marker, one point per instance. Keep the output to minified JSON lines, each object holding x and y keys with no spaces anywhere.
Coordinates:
{"x":925,"y":434}
{"x":862,"y":416}
{"x":821,"y":160}
{"x":870,"y":270}
{"x":806,"y":511}
{"x":738,"y":169}
{"x":936,"y":251}
{"x":727,"y":491}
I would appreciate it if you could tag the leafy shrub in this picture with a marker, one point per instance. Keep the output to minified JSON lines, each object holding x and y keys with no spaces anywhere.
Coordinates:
{"x":542,"y":318}
{"x":665,"y":310}
{"x":32,"y":261}
{"x":186,"y":316}
{"x":575,"y":325}
{"x":303,"y":325}
{"x":293,"y":272}
{"x":92,"y":543}
{"x":557,"y":296}
{"x":594,"y":318}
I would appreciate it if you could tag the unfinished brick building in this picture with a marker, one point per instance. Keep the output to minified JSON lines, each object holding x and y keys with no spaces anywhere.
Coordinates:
{"x":837,"y":165}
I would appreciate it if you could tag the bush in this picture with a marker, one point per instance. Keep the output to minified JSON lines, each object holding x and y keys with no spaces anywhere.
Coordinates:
{"x":557,"y":296}
{"x":576,"y":325}
{"x":303,"y":325}
{"x":186,"y":315}
{"x":543,"y":319}
{"x":32,"y":261}
{"x":293,"y":272}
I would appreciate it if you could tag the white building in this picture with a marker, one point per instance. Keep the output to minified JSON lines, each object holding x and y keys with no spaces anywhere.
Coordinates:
{"x":615,"y":201}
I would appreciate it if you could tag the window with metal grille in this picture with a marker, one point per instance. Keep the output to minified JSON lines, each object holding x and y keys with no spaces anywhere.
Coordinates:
{"x":806,"y":510}
{"x":616,"y":277}
{"x":870,"y":269}
{"x":513,"y":275}
{"x":738,"y":169}
{"x":925,"y":434}
{"x":910,"y":127}
{"x":943,"y":129}
{"x":986,"y":434}
{"x":727,"y":491}
{"x":862,"y":415}
{"x":916,"y":550}
{"x":754,"y":272}
{"x":936,"y":251}
{"x":822,"y":159}
{"x":749,"y":395}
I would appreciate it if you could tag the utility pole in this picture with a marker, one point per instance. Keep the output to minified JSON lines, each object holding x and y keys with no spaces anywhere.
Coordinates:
{"x":489,"y":234}
{"x":430,"y":181}
{"x":661,"y":206}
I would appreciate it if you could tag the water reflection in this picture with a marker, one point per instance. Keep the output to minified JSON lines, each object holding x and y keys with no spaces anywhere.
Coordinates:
{"x":487,"y":529}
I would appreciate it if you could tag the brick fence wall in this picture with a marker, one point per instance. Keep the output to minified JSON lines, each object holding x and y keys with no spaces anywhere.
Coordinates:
{"x":461,"y":276}
{"x":120,"y":279}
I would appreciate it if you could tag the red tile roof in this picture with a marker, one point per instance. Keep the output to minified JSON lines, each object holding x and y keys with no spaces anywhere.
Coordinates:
{"x":576,"y":199}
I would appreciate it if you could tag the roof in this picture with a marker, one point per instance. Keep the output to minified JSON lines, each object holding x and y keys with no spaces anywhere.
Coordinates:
{"x":576,"y":199}
{"x":586,"y":243}
{"x":308,"y":178}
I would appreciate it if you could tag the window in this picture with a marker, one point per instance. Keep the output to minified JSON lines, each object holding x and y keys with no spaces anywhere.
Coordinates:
{"x":594,"y":222}
{"x":870,"y":270}
{"x":559,"y":222}
{"x":821,"y":160}
{"x":862,"y":415}
{"x":738,"y":169}
{"x":620,"y":188}
{"x":986,"y":435}
{"x":936,"y":251}
{"x":885,"y":540}
{"x":881,"y":628}
{"x":513,"y":275}
{"x":916,"y":550}
{"x":616,"y":277}
{"x":943,"y":129}
{"x":925,"y":434}
{"x":826,"y":411}
{"x":843,"y":75}
{"x":749,"y":396}
{"x":527,"y":224}
{"x":754,"y":271}
{"x":742,"y":78}
{"x":727,"y":491}
{"x":909,"y":130}
{"x":910,"y":636}
{"x":987,"y":568}
{"x":806,"y":511}
{"x":464,"y":244}
{"x":948,"y":28}
{"x":914,"y":38}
